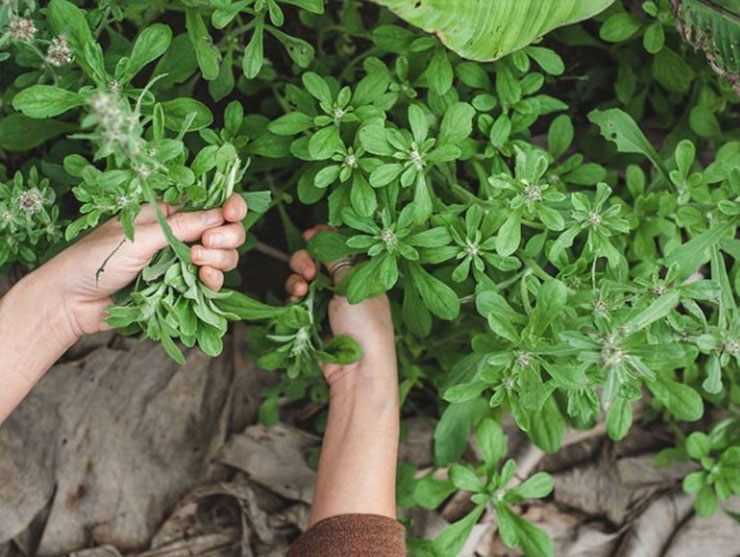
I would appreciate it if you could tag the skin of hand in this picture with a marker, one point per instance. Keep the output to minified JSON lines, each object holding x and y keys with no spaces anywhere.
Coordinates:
{"x":357,"y":467}
{"x":52,"y":307}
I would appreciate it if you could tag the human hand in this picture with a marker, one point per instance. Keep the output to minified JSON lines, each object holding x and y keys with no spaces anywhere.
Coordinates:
{"x":88,"y":273}
{"x":369,"y":322}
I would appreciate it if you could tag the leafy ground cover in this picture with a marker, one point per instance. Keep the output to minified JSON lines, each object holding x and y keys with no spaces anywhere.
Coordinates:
{"x":556,"y":227}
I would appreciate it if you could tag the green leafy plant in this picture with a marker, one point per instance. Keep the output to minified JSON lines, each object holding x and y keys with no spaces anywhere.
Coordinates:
{"x":556,"y":229}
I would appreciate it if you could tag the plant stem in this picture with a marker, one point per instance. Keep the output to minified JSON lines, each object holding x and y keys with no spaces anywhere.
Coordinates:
{"x":272,"y":252}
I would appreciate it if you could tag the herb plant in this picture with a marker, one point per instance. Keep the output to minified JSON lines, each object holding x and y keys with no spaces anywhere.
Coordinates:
{"x":555,"y":222}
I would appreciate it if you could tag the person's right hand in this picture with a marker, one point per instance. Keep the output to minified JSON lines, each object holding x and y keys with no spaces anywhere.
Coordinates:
{"x":369,"y":322}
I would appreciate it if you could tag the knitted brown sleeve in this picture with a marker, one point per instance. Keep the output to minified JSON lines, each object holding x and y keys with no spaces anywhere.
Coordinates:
{"x":352,"y":535}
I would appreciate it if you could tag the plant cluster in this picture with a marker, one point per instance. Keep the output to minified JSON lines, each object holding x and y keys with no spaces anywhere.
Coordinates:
{"x":556,"y":227}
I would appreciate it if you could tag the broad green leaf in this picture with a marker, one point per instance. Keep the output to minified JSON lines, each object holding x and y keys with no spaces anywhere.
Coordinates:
{"x":654,"y":312}
{"x":690,"y":256}
{"x":441,"y":300}
{"x":453,"y":428}
{"x":618,"y":127}
{"x":491,"y":441}
{"x":151,"y":43}
{"x":551,"y":301}
{"x":535,"y":487}
{"x":619,"y":419}
{"x":21,"y":133}
{"x":327,"y":246}
{"x":247,"y":308}
{"x":714,"y":27}
{"x":206,"y":52}
{"x":453,"y":538}
{"x":178,"y":112}
{"x":45,"y":101}
{"x":547,"y":427}
{"x":501,"y":26}
{"x":683,"y":401}
{"x":465,"y":479}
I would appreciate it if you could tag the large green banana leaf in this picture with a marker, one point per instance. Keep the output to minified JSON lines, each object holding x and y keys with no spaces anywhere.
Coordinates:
{"x":714,"y":27}
{"x":486,"y":30}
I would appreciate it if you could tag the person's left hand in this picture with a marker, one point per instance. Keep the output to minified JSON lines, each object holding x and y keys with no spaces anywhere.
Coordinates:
{"x":86,"y":293}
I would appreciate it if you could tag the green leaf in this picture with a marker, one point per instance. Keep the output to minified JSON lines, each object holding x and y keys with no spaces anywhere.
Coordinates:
{"x":327,"y":246}
{"x":547,"y":427}
{"x":619,"y":27}
{"x":457,"y":124}
{"x":178,"y":112}
{"x":430,"y":492}
{"x":535,"y":487}
{"x":151,"y":43}
{"x":560,"y":135}
{"x":509,"y":235}
{"x":501,"y":27}
{"x":683,"y":401}
{"x":317,"y":86}
{"x":21,"y":133}
{"x":659,"y":309}
{"x":619,"y":419}
{"x":206,"y":52}
{"x":439,"y":73}
{"x":689,"y":257}
{"x":618,"y":127}
{"x":254,"y":56}
{"x":491,"y":441}
{"x":698,"y":445}
{"x":453,"y":428}
{"x":452,"y":539}
{"x":551,"y":301}
{"x":324,"y":143}
{"x":706,"y":502}
{"x":441,"y":300}
{"x":465,"y":479}
{"x":341,"y":350}
{"x":548,"y":59}
{"x":246,"y":308}
{"x":45,"y":101}
{"x":291,"y":124}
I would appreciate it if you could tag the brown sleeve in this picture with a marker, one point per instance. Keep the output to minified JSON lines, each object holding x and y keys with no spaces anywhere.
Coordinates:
{"x":352,"y":535}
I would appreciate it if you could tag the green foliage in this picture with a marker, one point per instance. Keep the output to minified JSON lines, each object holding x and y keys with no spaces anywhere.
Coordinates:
{"x":556,"y":230}
{"x":502,"y":26}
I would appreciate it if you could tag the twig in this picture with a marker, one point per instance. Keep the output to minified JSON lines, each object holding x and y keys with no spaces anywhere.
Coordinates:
{"x":101,"y":269}
{"x":272,"y":252}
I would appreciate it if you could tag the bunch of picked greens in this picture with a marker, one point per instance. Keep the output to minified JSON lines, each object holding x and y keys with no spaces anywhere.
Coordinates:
{"x":555,"y":223}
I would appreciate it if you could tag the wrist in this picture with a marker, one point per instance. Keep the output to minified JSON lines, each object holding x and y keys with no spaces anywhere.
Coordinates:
{"x":367,"y":383}
{"x":40,"y":292}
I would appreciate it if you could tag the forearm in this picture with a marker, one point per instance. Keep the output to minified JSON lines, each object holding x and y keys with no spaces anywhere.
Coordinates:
{"x":34,"y":333}
{"x":357,"y":468}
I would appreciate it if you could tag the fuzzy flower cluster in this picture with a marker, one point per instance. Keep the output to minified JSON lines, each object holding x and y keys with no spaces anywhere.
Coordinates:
{"x":118,"y":128}
{"x":59,"y":53}
{"x":22,"y":29}
{"x":28,"y":218}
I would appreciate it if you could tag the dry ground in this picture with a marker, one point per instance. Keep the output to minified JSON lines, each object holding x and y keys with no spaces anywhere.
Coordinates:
{"x":121,"y":452}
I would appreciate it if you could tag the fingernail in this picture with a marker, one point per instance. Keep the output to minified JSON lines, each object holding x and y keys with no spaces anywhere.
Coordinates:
{"x":215,"y":240}
{"x":196,"y":253}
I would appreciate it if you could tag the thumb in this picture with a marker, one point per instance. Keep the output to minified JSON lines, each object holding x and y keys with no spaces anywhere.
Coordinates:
{"x":186,"y":227}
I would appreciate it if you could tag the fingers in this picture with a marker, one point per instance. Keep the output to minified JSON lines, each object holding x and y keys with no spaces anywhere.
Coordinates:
{"x":229,"y":236}
{"x":212,"y":278}
{"x":235,"y":208}
{"x":147,"y":215}
{"x":221,"y":259}
{"x":296,"y":286}
{"x":303,"y":264}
